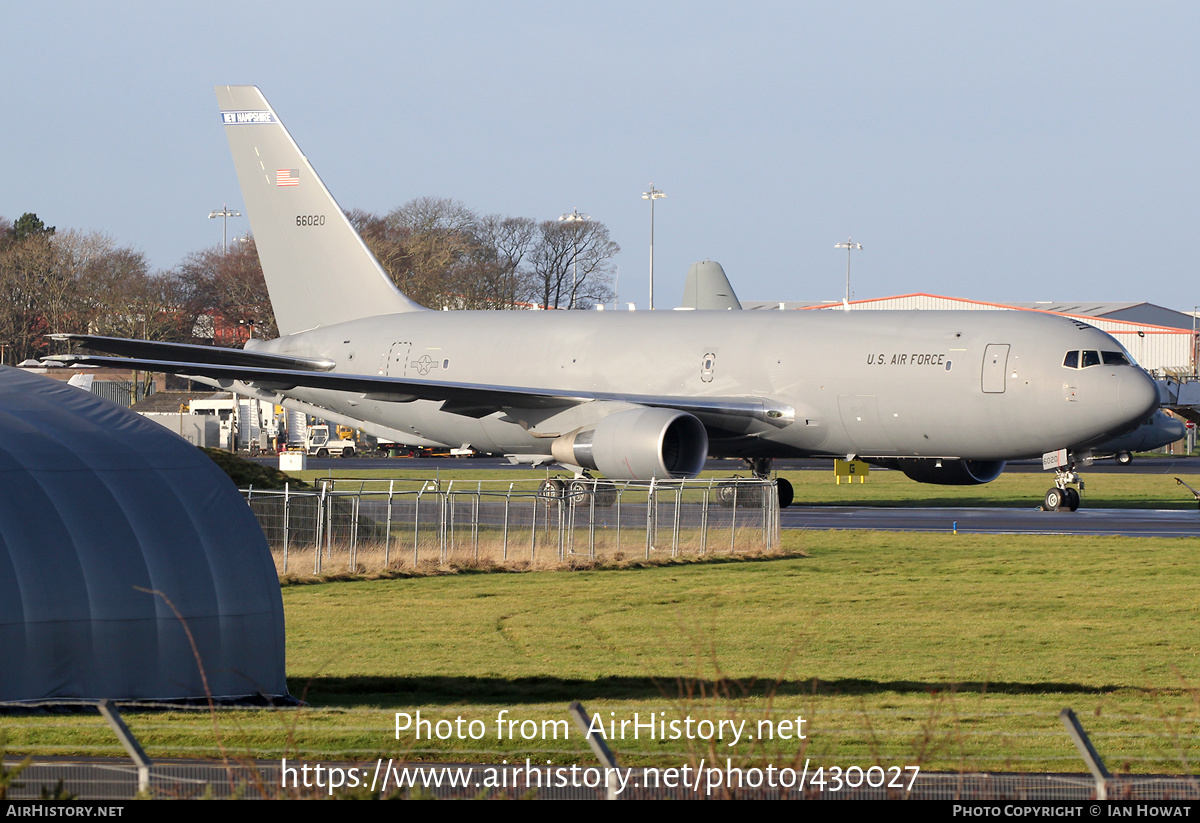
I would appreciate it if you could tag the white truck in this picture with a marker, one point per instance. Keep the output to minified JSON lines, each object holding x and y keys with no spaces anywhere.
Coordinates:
{"x":318,"y":443}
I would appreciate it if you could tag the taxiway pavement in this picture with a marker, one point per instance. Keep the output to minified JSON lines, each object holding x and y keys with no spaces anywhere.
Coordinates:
{"x":1126,"y":522}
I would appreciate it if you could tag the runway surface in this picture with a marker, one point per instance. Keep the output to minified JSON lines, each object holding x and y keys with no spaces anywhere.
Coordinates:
{"x":1125,"y":522}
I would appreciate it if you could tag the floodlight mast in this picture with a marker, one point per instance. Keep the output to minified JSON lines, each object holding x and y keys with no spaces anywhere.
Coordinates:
{"x":652,"y":195}
{"x":574,"y":217}
{"x":224,"y":214}
{"x":1195,"y":314}
{"x":849,"y":246}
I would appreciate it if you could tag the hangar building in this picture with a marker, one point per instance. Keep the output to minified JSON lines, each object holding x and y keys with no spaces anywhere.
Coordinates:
{"x":118,"y":540}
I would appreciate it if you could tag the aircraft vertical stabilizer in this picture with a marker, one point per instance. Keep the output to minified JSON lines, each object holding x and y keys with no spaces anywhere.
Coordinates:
{"x":318,"y":270}
{"x":707,"y":288}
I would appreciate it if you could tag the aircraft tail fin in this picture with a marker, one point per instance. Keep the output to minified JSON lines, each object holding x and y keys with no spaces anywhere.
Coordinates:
{"x":318,"y":270}
{"x":707,"y":288}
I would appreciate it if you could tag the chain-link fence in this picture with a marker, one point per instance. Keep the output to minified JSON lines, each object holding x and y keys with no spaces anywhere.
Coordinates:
{"x":111,"y":780}
{"x":359,"y":525}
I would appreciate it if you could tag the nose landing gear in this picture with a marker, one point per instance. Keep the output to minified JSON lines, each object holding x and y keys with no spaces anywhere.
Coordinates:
{"x":1068,"y":485}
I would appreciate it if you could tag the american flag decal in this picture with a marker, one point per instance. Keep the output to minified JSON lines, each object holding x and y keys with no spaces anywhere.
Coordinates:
{"x":287,"y":177}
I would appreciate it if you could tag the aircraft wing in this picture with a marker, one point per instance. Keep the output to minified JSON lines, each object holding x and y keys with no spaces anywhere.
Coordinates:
{"x":468,"y":399}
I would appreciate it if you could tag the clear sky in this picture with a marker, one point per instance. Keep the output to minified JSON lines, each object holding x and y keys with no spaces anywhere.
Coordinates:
{"x":1006,"y":151}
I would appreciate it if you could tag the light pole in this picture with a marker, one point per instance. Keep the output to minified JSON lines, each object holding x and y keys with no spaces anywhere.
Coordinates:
{"x":849,"y":246}
{"x":224,"y":214}
{"x":652,"y":195}
{"x":1195,"y":314}
{"x":574,"y":217}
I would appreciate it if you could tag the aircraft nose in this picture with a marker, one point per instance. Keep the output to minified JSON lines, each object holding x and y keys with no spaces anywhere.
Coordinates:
{"x":1137,"y":396}
{"x":1174,"y":428}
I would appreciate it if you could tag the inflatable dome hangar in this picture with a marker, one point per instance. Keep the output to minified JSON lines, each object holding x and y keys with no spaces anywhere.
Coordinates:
{"x":109,"y":525}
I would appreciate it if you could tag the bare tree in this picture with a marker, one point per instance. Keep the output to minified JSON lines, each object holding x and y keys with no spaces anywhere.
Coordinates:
{"x":71,"y":281}
{"x":227,"y":286}
{"x":26,"y":267}
{"x":123,"y":299}
{"x":511,"y":241}
{"x":572,"y":262}
{"x":436,"y":250}
{"x":385,"y":241}
{"x":439,"y":235}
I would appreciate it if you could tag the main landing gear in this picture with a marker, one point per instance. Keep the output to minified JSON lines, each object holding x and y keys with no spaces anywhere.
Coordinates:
{"x":761,"y":469}
{"x":579,"y":491}
{"x":1065,"y":493}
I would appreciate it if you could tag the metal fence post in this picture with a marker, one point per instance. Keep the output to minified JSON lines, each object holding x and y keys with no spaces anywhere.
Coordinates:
{"x":329,"y":525}
{"x":533,"y":528}
{"x":287,"y":516}
{"x":620,"y":491}
{"x":1087,"y":751}
{"x":651,"y":520}
{"x":444,"y":521}
{"x":475,"y":518}
{"x":129,"y":742}
{"x":320,"y":514}
{"x":733,"y":521}
{"x":507,"y":501}
{"x":592,"y":521}
{"x":387,"y":534}
{"x":354,"y":510}
{"x":675,"y":520}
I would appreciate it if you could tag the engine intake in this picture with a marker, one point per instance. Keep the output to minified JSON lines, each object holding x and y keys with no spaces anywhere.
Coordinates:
{"x":637,"y":444}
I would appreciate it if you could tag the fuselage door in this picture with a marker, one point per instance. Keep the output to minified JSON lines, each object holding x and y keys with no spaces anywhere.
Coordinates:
{"x":397,"y":360}
{"x":995,"y":364}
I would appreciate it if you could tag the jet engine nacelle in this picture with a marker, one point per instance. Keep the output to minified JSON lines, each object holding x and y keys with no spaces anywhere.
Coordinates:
{"x":949,"y":472}
{"x":637,"y":444}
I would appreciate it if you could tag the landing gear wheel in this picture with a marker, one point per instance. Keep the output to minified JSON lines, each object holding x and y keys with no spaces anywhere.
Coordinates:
{"x":739,"y":494}
{"x":783,"y":488}
{"x":551,"y":488}
{"x":1124,"y":458}
{"x":1068,"y":485}
{"x":1054,"y":500}
{"x":1071,"y":498}
{"x":579,"y":491}
{"x":606,"y":494}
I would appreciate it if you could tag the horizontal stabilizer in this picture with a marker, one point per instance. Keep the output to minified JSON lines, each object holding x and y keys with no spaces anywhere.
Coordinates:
{"x":186,"y":352}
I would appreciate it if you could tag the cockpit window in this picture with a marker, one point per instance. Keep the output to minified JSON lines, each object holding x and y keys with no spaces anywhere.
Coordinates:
{"x":1095,"y":358}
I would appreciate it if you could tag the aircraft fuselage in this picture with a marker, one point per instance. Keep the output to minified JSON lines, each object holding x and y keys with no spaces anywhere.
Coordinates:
{"x":977,"y":385}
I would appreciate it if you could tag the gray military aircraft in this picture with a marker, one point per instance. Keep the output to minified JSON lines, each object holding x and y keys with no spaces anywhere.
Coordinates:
{"x":707,"y":287}
{"x":1160,"y":430}
{"x":947,"y":397}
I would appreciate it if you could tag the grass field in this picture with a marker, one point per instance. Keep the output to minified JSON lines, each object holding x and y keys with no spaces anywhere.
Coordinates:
{"x":944,"y":651}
